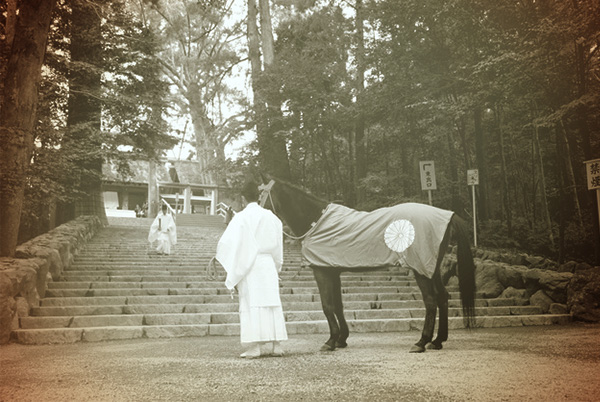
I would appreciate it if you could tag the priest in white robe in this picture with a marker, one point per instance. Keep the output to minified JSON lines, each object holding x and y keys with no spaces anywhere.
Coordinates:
{"x":251,"y":251}
{"x":164,"y":231}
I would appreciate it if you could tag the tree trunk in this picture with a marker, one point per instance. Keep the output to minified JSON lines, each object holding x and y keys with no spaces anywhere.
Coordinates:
{"x":359,"y":156}
{"x":561,"y":174}
{"x":256,"y":72}
{"x":505,"y":188}
{"x":18,"y":113}
{"x":201,"y":125}
{"x":254,"y":56}
{"x":543,"y":182}
{"x":455,"y":204}
{"x":84,"y":117}
{"x":153,"y":196}
{"x":480,"y":155}
{"x":533,"y":178}
{"x":271,"y":144}
{"x":460,"y":128}
{"x":266,"y":33}
{"x":570,"y":179}
{"x":9,"y":35}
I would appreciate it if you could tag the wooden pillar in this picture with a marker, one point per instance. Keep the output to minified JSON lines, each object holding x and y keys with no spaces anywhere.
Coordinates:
{"x":213,"y":202}
{"x":187,"y":200}
{"x":153,"y":190}
{"x":125,"y":204}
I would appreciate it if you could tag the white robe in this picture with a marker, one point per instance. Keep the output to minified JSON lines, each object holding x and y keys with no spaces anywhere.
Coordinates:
{"x":164,"y":230}
{"x":251,"y":251}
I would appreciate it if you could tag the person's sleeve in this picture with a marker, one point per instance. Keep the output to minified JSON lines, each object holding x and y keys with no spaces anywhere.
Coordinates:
{"x":173,"y":232}
{"x":278,"y":257}
{"x":153,"y":235}
{"x":236,"y":251}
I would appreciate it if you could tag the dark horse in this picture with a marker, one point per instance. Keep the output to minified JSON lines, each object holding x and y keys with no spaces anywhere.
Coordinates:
{"x":300,"y":210}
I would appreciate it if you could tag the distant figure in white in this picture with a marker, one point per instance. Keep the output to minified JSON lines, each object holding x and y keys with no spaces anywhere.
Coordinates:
{"x":251,"y":251}
{"x":164,"y":230}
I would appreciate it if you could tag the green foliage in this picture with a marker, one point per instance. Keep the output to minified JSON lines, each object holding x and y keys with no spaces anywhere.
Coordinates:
{"x":528,"y":70}
{"x":136,"y":96}
{"x":311,"y":84}
{"x":199,"y":48}
{"x":133,"y":112}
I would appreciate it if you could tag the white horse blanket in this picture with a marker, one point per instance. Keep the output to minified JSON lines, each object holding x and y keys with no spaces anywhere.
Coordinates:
{"x":344,"y":237}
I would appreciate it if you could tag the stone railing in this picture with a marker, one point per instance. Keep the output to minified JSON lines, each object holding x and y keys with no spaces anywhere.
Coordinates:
{"x":24,"y":278}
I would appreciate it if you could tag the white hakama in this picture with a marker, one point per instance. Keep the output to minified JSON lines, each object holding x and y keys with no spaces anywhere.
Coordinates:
{"x":164,"y":231}
{"x":251,"y":251}
{"x":261,"y":314}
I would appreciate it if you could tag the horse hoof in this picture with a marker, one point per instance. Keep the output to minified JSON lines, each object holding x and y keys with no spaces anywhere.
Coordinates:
{"x":327,"y":348}
{"x":417,"y":349}
{"x":341,"y":345}
{"x":434,"y":346}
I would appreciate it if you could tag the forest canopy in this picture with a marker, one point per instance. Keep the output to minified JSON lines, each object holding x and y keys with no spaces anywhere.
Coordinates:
{"x":343,"y":97}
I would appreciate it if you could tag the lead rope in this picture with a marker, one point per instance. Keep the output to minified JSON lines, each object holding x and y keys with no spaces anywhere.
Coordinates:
{"x":302,"y":265}
{"x":211,"y":270}
{"x":287,"y":234}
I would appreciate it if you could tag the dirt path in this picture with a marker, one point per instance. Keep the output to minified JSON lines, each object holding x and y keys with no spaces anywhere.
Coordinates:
{"x":559,"y":363}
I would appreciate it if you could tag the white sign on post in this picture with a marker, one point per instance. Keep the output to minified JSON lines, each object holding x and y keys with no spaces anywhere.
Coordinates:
{"x":593,"y":178}
{"x":473,"y":180}
{"x":593,"y":174}
{"x":427,"y":169}
{"x":472,"y":177}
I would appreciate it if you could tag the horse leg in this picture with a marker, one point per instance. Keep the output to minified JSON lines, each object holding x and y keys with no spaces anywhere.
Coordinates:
{"x":325,"y":283}
{"x":429,"y":298}
{"x":442,"y":304}
{"x":441,"y":295}
{"x":339,"y":313}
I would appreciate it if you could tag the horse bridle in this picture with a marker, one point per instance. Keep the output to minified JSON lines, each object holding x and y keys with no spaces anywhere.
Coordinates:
{"x":266,"y":194}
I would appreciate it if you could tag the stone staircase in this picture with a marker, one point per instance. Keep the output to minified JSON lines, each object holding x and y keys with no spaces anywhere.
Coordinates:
{"x":119,"y":288}
{"x":200,"y":220}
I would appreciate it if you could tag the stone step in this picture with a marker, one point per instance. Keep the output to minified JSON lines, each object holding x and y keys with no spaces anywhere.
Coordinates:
{"x":208,"y":295}
{"x":293,"y":271}
{"x":231,"y":305}
{"x":119,"y":288}
{"x":95,"y":334}
{"x":152,"y":265}
{"x":151,"y":261}
{"x":286,"y":275}
{"x":137,"y":291}
{"x":193,"y":279}
{"x":156,"y":261}
{"x":177,"y":274}
{"x":298,"y":283}
{"x":233,"y":317}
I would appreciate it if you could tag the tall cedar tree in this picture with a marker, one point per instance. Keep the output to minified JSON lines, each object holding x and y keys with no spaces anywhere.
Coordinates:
{"x":18,"y":112}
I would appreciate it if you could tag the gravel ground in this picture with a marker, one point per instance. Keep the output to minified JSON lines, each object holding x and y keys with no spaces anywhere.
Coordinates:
{"x":557,"y":363}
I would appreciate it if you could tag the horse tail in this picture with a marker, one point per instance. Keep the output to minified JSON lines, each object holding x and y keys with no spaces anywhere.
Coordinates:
{"x":465,"y":271}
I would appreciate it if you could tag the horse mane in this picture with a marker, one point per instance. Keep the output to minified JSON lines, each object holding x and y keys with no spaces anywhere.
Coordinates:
{"x":305,"y":192}
{"x":297,"y":207}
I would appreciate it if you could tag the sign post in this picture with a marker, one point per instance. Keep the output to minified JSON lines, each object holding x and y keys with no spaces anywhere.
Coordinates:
{"x":593,"y":178}
{"x":427,"y":169}
{"x":473,"y":180}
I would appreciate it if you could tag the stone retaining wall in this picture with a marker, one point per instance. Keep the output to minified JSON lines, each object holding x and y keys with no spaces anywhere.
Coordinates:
{"x":572,"y":287}
{"x":24,"y":278}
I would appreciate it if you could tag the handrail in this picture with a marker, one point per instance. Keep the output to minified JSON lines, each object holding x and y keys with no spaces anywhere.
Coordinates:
{"x":222,"y":209}
{"x":170,"y":208}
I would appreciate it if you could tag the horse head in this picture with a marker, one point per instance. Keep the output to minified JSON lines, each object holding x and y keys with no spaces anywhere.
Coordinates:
{"x":293,"y":205}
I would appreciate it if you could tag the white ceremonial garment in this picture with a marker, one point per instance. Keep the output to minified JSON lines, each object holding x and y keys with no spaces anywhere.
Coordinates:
{"x":164,"y":230}
{"x":251,"y":251}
